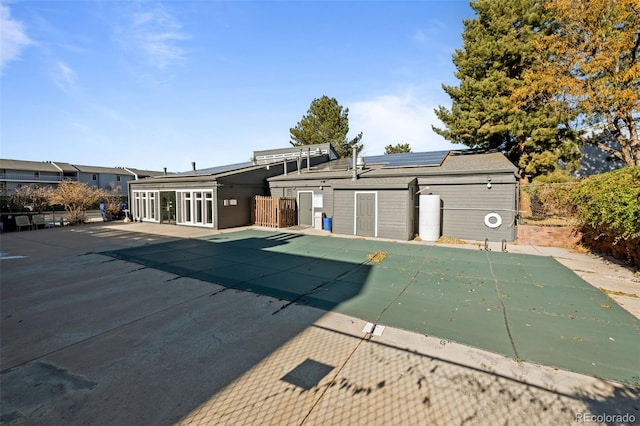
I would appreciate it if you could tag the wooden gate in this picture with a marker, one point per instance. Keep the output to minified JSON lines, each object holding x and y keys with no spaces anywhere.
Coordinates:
{"x":274,"y":212}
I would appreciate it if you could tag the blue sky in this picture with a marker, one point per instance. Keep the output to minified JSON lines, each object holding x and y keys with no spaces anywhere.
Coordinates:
{"x":151,"y":84}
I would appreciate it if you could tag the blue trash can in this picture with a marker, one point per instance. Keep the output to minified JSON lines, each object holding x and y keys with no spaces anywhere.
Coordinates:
{"x":327,"y":223}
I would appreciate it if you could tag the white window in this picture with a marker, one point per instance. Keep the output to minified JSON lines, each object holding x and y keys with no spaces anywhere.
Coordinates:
{"x":152,"y":206}
{"x":198,"y":207}
{"x":143,"y":213}
{"x":135,"y":208}
{"x":194,"y":208}
{"x":208,"y":207}
{"x":145,"y":206}
{"x":187,"y":207}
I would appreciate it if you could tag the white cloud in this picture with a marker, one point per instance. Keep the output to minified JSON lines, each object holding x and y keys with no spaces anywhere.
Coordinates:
{"x":431,"y":34}
{"x":64,"y":77}
{"x":419,"y":36}
{"x":392,"y":119}
{"x":156,"y":33}
{"x":12,"y":37}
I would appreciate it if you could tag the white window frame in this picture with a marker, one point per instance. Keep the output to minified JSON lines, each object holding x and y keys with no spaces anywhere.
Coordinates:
{"x":187,"y":201}
{"x":146,"y":206}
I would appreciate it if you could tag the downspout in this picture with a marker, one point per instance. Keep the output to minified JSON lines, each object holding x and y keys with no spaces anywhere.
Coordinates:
{"x":130,"y":191}
{"x":135,"y":175}
{"x":61,"y":171}
{"x":53,"y":211}
{"x":308,"y":158}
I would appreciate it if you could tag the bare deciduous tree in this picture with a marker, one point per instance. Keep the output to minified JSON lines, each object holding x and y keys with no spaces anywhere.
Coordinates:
{"x":31,"y":197}
{"x":76,"y":198}
{"x":113,"y":199}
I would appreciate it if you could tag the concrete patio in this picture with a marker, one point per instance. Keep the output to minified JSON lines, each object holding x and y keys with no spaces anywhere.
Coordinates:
{"x":90,"y":339}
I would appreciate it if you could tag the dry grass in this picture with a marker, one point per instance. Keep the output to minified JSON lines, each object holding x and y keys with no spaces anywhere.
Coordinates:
{"x":617,"y":293}
{"x":450,"y":240}
{"x":579,"y":248}
{"x":443,"y":240}
{"x":551,"y":221}
{"x":377,"y":256}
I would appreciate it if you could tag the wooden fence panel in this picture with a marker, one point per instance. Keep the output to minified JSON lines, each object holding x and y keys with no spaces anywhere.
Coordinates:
{"x":287,"y":212}
{"x":274,"y":212}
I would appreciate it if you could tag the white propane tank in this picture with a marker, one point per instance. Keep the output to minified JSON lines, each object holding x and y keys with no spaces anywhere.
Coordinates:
{"x":429,"y":229}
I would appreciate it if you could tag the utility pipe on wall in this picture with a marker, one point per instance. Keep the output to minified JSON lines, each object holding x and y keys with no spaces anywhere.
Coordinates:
{"x":353,"y":164}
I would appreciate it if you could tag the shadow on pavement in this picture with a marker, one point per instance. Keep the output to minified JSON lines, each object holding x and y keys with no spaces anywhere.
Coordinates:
{"x":183,"y":334}
{"x":88,"y":339}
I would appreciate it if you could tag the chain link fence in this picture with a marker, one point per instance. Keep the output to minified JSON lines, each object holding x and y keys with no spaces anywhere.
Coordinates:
{"x":548,"y":204}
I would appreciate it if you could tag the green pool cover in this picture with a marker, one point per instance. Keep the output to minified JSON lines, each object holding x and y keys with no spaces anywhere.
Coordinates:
{"x":526,"y":307}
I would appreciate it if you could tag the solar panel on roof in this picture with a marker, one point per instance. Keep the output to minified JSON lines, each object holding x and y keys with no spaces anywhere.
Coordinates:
{"x":418,"y":159}
{"x":376,"y":159}
{"x":409,"y":159}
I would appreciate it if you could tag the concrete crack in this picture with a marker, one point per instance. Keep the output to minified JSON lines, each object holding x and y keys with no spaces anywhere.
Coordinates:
{"x":504,"y":308}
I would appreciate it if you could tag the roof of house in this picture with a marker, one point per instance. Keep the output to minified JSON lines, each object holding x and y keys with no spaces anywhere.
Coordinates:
{"x":216,"y":170}
{"x":35,"y":166}
{"x":453,"y":163}
{"x":100,"y":169}
{"x":66,"y":167}
{"x":148,"y":173}
{"x":210,"y":173}
{"x":56,"y":167}
{"x":260,"y":160}
{"x":294,"y":152}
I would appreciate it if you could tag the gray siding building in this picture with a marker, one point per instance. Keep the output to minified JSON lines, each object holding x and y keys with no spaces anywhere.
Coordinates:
{"x":219,"y":197}
{"x":379,"y":197}
{"x":478,"y":194}
{"x":16,"y":173}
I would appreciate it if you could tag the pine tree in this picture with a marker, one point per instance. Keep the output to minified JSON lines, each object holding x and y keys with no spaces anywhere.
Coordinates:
{"x":397,"y":148}
{"x":326,"y":121}
{"x":496,"y":52}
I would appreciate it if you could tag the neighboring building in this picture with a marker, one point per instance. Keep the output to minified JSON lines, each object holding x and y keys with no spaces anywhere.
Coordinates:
{"x":478,"y":192}
{"x":380,"y":197}
{"x":16,"y":173}
{"x":106,"y":177}
{"x":219,"y":197}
